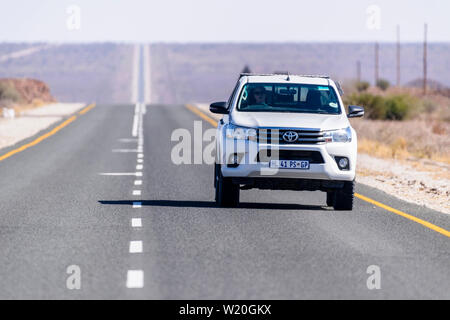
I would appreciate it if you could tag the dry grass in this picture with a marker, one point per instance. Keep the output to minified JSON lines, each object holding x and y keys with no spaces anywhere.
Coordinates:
{"x":404,"y":139}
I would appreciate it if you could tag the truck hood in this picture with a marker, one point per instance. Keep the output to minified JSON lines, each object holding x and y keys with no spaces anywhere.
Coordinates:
{"x":289,"y":120}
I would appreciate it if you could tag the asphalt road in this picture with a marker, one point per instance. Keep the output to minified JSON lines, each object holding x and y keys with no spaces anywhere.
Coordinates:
{"x":98,"y":209}
{"x":57,"y":210}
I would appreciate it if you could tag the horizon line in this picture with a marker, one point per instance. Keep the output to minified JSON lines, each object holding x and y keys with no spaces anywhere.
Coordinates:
{"x":214,"y":42}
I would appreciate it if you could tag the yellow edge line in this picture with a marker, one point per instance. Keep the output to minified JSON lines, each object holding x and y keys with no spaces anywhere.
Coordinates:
{"x":405,"y":215}
{"x":202,"y":115}
{"x":379,"y":204}
{"x":46,"y":135}
{"x":87,"y":109}
{"x":39,"y":139}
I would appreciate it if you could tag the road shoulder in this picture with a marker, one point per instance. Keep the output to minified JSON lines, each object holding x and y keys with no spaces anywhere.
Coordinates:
{"x":31,"y":122}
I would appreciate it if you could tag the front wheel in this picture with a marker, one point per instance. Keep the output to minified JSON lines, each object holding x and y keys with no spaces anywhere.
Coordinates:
{"x":343,"y":199}
{"x":227,"y":193}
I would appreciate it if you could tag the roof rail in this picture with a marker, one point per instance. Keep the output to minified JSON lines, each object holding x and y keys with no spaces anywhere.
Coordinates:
{"x":280,"y":74}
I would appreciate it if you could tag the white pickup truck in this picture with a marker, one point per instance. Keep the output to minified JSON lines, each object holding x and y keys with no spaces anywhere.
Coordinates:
{"x":285,"y":132}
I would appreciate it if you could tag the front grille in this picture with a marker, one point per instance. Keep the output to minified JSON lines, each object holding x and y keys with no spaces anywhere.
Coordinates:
{"x":314,"y":157}
{"x":305,"y":136}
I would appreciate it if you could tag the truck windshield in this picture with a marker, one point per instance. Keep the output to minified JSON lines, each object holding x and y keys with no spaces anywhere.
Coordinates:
{"x":277,"y":97}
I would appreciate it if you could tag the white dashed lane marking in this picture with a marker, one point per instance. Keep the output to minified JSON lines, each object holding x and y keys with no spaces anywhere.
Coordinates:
{"x":127,"y":140}
{"x":137,"y":111}
{"x":136,"y":223}
{"x":120,"y":173}
{"x":126,"y":150}
{"x":135,"y":279}
{"x":135,"y":246}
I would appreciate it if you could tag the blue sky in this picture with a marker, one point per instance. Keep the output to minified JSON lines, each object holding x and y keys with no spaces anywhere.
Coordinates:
{"x":225,"y":20}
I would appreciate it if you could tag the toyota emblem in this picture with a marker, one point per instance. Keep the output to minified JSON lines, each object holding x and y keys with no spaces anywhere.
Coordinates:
{"x":290,"y":136}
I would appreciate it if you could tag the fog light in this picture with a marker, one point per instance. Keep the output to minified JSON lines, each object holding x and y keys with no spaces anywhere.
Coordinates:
{"x":343,"y":163}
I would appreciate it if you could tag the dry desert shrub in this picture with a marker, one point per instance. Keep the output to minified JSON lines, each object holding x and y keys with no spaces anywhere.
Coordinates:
{"x":403,"y":139}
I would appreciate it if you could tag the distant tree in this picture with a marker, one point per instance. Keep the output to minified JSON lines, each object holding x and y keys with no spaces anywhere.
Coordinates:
{"x":362,"y":86}
{"x":383,"y":84}
{"x":246,"y":69}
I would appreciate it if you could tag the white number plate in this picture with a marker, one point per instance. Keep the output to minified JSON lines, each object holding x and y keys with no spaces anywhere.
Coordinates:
{"x":290,"y":164}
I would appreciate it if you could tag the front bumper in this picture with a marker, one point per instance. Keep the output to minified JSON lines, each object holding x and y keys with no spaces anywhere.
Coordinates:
{"x":249,"y":167}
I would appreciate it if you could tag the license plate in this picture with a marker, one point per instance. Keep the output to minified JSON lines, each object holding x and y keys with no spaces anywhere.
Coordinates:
{"x":290,"y":164}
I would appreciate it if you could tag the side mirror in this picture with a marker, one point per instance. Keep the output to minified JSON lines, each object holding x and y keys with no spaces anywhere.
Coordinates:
{"x":355,"y":112}
{"x":218,"y":107}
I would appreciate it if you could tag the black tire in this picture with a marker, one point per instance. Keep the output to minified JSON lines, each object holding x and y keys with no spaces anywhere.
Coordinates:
{"x":227,"y":193}
{"x":330,"y":198}
{"x":343,"y":199}
{"x":216,"y":166}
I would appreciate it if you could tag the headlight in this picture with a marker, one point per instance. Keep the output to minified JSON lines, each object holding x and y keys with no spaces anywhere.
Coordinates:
{"x":343,"y":135}
{"x":240,"y":133}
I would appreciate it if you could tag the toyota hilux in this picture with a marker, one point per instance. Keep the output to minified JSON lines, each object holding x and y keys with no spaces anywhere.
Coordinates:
{"x":286,"y":132}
